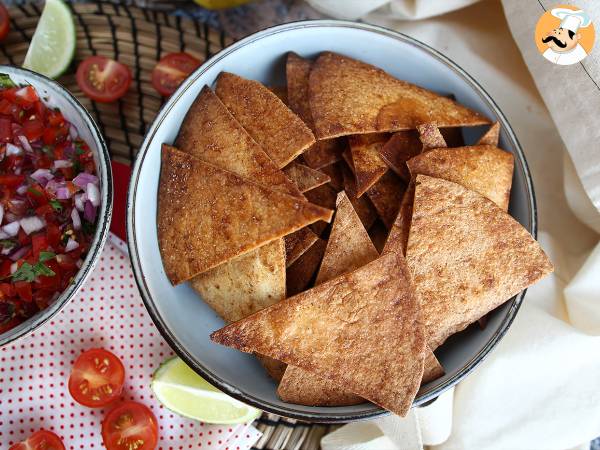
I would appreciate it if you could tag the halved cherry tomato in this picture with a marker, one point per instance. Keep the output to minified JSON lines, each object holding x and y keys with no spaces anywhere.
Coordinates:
{"x":171,"y":70}
{"x":130,"y":425}
{"x":40,"y":440}
{"x":97,"y":378}
{"x":4,"y":22}
{"x":103,"y":79}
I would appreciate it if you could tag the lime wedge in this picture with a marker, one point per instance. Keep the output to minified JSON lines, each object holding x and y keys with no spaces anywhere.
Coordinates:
{"x":186,"y":393}
{"x":53,"y":44}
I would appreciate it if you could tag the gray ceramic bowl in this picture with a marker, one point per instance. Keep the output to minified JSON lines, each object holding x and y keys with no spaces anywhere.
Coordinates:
{"x":74,"y":112}
{"x":186,"y":321}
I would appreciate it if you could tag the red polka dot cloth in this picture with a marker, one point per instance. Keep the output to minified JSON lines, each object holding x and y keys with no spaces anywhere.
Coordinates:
{"x":34,"y":370}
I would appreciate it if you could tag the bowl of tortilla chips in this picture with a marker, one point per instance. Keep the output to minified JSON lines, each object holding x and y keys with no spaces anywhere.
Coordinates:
{"x":328,"y":220}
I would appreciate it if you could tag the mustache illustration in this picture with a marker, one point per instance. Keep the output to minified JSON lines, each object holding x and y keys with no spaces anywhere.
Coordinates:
{"x":556,"y":41}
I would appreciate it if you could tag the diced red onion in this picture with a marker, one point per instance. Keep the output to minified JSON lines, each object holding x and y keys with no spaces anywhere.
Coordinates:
{"x":76,"y":219}
{"x":73,"y":132}
{"x":25,"y":143}
{"x":22,"y":189}
{"x":13,"y":268}
{"x":12,"y":149}
{"x":93,"y":194}
{"x":62,"y":164}
{"x":1,"y":213}
{"x":79,"y":200}
{"x":42,"y":176}
{"x":32,"y":224}
{"x":3,"y":235}
{"x":89,"y":211}
{"x":19,"y":253}
{"x":79,"y":263}
{"x":37,"y":144}
{"x":71,"y":245}
{"x":69,"y":150}
{"x":12,"y":229}
{"x":6,"y":250}
{"x":10,"y":217}
{"x":63,"y":193}
{"x":84,"y":178}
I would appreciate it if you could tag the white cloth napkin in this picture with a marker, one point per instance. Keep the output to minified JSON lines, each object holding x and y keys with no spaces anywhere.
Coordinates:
{"x":540,"y":388}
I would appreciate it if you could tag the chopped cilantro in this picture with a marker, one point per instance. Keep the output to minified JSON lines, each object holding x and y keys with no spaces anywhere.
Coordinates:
{"x":6,"y":82}
{"x":28,"y":272}
{"x":24,"y":273}
{"x":7,"y":243}
{"x":47,"y":150}
{"x":34,"y":191}
{"x":56,"y":205}
{"x":47,"y":256}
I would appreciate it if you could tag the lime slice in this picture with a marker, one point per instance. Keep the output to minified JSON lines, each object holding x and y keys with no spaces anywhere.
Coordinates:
{"x":186,"y":393}
{"x":53,"y":44}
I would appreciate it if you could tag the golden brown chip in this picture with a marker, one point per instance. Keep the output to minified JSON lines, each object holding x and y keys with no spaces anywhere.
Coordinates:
{"x":297,"y":70}
{"x":432,"y":369}
{"x":274,"y":368}
{"x":324,"y":153}
{"x":280,"y":132}
{"x":368,"y":165}
{"x":386,"y":196}
{"x":402,"y":146}
{"x":335,"y":174}
{"x":491,"y":136}
{"x":280,"y":92}
{"x":482,"y":168}
{"x":467,"y":256}
{"x":362,"y":205}
{"x":306,"y":388}
{"x":304,"y":177}
{"x":350,"y":97}
{"x":208,"y":216}
{"x":245,"y":284}
{"x":301,"y":273}
{"x":398,"y":236}
{"x":430,"y":136}
{"x":210,"y":133}
{"x":361,"y":331}
{"x":378,"y":233}
{"x":297,"y":243}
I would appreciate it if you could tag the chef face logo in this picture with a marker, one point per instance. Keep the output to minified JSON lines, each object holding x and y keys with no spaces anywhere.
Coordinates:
{"x":565,"y":35}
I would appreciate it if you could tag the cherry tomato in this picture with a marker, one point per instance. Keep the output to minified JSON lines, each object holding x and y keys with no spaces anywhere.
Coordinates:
{"x":171,"y":70}
{"x":40,"y":440}
{"x":97,"y":378}
{"x":103,"y":79}
{"x":4,"y":22}
{"x":130,"y":425}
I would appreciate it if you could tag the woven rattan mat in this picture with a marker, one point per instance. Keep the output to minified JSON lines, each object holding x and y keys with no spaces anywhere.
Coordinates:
{"x":138,"y":38}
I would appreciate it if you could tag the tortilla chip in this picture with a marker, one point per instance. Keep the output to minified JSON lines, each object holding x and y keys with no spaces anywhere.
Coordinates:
{"x":324,"y":196}
{"x":208,"y":216}
{"x":361,"y":331}
{"x":466,"y":255}
{"x":482,"y":168}
{"x":402,"y":146}
{"x":378,"y":233}
{"x":297,"y":70}
{"x":386,"y":196}
{"x":430,"y":136}
{"x":280,"y":132}
{"x":335,"y":174}
{"x":432,"y":369}
{"x":301,"y":273}
{"x":274,"y":368}
{"x":210,"y":133}
{"x":398,"y":236}
{"x":304,"y":177}
{"x":297,"y":243}
{"x":302,"y":387}
{"x":245,"y":284}
{"x":280,"y":92}
{"x":368,"y":165}
{"x":362,"y":205}
{"x":350,"y":97}
{"x":324,"y":153}
{"x":491,"y":136}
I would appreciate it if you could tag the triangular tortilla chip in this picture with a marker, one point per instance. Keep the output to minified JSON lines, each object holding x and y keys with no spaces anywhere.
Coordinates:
{"x":302,"y":387}
{"x":431,"y":136}
{"x":302,"y":272}
{"x":335,"y":174}
{"x":432,"y":369}
{"x":209,"y":132}
{"x":297,"y":243}
{"x":280,"y":92}
{"x":361,"y":331}
{"x":280,"y":133}
{"x":350,"y":97}
{"x":349,"y":246}
{"x":304,"y":177}
{"x":362,"y":205}
{"x":245,"y":284}
{"x":466,"y":255}
{"x":482,"y":168}
{"x":386,"y":196}
{"x":368,"y":165}
{"x":208,"y":216}
{"x":398,"y":236}
{"x":402,"y":146}
{"x":274,"y":368}
{"x":491,"y":136}
{"x":325,"y":152}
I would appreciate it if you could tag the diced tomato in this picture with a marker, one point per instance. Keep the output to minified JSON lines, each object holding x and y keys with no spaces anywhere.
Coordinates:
{"x":5,"y":130}
{"x":66,"y":263}
{"x":11,"y":180}
{"x":22,"y":237}
{"x":8,"y":289}
{"x":49,"y":136}
{"x":10,"y":94}
{"x":53,"y":235}
{"x":39,"y":243}
{"x":23,"y":289}
{"x":26,"y":94}
{"x":5,"y":268}
{"x":40,"y":110}
{"x":55,"y":118}
{"x":33,"y":129}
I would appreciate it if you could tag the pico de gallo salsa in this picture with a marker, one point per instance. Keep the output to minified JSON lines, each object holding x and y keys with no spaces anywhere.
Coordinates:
{"x":49,"y":198}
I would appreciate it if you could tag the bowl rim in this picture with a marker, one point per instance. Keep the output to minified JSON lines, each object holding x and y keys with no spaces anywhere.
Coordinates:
{"x":428,"y":395}
{"x":104,"y":213}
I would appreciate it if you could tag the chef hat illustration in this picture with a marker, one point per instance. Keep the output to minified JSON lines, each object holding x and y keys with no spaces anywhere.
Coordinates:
{"x":570,"y":19}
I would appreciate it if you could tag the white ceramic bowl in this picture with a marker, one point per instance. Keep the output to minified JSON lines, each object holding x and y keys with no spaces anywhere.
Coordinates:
{"x":186,"y":321}
{"x":56,"y":95}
